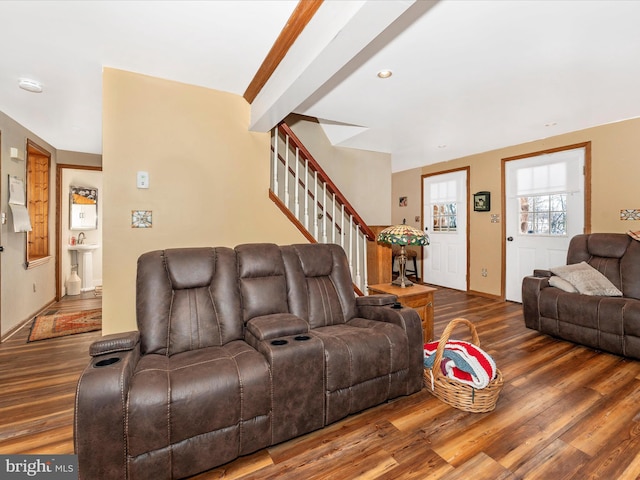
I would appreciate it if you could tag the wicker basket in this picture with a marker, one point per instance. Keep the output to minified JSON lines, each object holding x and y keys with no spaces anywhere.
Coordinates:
{"x":458,"y":394}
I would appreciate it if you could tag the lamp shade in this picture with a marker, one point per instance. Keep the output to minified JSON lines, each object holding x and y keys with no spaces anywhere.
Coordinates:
{"x":403,"y":235}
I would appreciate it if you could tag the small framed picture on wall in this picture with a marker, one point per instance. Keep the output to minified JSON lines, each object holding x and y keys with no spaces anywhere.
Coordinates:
{"x":402,"y":202}
{"x":482,"y":202}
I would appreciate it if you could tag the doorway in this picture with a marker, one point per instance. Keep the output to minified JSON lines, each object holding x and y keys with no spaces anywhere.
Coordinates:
{"x":544,"y":208}
{"x":445,"y":213}
{"x":85,"y":176}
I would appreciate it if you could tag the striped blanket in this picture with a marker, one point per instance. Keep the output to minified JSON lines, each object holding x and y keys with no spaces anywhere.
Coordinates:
{"x":462,"y":361}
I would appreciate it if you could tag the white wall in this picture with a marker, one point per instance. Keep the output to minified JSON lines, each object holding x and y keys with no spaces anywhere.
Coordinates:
{"x":23,"y":292}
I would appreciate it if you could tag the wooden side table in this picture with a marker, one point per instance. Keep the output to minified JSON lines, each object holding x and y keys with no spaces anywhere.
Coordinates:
{"x":417,"y":296}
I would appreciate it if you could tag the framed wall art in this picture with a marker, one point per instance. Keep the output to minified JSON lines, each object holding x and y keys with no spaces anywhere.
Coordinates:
{"x":482,"y":202}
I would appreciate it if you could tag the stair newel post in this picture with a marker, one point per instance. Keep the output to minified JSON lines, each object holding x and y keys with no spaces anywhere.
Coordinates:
{"x":324,"y":212}
{"x":276,"y":137}
{"x":286,"y":172}
{"x":306,"y":193}
{"x":333,"y":220}
{"x":315,"y":204}
{"x":296,"y":183}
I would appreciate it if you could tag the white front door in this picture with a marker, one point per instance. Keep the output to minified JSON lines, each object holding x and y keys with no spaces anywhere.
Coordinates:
{"x":544,"y":210}
{"x":445,"y":217}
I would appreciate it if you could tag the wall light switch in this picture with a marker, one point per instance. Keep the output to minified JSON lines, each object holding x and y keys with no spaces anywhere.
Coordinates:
{"x":143,"y":180}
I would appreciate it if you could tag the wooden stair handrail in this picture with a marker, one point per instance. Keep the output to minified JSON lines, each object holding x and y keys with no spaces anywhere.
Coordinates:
{"x":315,"y":166}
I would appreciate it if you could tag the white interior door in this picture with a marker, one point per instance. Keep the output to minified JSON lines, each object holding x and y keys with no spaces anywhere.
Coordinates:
{"x":445,"y":216}
{"x":544,"y":210}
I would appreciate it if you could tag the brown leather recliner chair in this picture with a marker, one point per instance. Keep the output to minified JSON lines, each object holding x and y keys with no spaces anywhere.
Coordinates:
{"x":237,"y":350}
{"x":611,"y":324}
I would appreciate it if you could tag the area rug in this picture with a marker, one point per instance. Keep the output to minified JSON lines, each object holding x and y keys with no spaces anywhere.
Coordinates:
{"x":62,"y":324}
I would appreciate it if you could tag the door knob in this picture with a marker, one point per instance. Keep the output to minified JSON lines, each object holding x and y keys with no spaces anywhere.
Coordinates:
{"x":509,"y":239}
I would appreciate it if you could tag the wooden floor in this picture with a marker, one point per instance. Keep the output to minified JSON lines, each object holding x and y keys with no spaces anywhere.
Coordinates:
{"x":566,"y":412}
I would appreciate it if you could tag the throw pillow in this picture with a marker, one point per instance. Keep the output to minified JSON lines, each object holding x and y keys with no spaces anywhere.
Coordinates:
{"x":562,"y":284}
{"x":587,"y":280}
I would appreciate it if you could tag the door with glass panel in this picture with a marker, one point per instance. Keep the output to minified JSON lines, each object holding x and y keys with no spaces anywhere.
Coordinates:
{"x":544,"y":200}
{"x":445,"y":217}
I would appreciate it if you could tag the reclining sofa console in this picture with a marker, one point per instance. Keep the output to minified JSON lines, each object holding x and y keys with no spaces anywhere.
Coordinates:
{"x":236,"y":350}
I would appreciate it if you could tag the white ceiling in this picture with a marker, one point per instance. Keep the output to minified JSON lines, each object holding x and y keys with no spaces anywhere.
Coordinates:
{"x":468,"y":75}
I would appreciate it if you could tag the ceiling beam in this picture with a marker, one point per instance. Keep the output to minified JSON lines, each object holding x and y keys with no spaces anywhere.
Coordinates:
{"x":332,"y":38}
{"x":298,"y":20}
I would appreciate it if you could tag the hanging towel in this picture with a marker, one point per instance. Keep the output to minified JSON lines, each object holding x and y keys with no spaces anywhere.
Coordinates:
{"x":462,"y":361}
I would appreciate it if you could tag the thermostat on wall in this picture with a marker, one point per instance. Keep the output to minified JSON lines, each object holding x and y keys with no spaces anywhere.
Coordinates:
{"x":143,"y":180}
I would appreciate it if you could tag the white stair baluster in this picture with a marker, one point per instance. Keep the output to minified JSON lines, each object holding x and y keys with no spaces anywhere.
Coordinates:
{"x":350,"y":252}
{"x":286,"y":172}
{"x":275,"y":162}
{"x":306,"y":194}
{"x":358,"y":279}
{"x":315,"y":203}
{"x":333,"y":220}
{"x":296,"y":185}
{"x":324,"y":213}
{"x":342,"y":232}
{"x":365,"y":284}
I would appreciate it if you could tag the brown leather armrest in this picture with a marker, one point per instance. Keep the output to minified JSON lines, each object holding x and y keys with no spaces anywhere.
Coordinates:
{"x":117,"y":342}
{"x":376,"y":300}
{"x":542,"y":273}
{"x":276,"y":325}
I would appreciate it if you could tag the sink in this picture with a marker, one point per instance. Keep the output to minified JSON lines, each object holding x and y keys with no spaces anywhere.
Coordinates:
{"x":84,"y":246}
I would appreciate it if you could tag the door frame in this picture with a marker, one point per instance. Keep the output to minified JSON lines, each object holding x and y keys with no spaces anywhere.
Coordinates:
{"x":467,"y":170}
{"x":59,"y":168}
{"x":587,"y":197}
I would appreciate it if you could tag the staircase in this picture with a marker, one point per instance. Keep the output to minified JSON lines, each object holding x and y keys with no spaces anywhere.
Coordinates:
{"x":308,"y":197}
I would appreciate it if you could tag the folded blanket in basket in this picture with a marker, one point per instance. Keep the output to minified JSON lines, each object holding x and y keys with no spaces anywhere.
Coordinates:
{"x":462,"y":361}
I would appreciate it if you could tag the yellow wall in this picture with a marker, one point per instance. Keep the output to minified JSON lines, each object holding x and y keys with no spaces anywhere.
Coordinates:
{"x":615,"y":173}
{"x":208,"y":177}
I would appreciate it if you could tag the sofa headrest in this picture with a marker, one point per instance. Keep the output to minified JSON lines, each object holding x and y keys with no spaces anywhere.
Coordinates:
{"x":190,"y":267}
{"x":608,"y":245}
{"x":257,"y":260}
{"x":316,"y":259}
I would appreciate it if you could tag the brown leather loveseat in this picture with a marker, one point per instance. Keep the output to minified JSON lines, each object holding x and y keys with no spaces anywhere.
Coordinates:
{"x":236,"y":350}
{"x":609,"y":323}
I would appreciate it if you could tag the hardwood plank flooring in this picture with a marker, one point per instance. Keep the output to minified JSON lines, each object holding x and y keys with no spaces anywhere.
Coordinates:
{"x":565,"y":412}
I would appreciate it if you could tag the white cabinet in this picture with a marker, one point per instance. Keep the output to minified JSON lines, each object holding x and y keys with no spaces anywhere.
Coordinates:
{"x":84,"y":217}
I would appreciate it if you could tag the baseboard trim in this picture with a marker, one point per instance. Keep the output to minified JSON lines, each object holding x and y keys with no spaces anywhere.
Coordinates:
{"x":20,"y":325}
{"x":486,"y":295}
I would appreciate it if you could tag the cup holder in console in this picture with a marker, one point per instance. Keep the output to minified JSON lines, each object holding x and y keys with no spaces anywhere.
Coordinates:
{"x":302,"y":338}
{"x":279,"y":342}
{"x":107,"y":361}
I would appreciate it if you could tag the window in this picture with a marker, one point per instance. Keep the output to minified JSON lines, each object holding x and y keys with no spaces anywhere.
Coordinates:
{"x":445,"y":218}
{"x":38,"y":166}
{"x":443,"y":196}
{"x":543,"y":185}
{"x":543,"y":214}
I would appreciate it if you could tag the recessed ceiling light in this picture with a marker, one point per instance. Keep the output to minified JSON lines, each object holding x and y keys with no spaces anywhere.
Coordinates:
{"x":30,"y":85}
{"x":384,"y":73}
